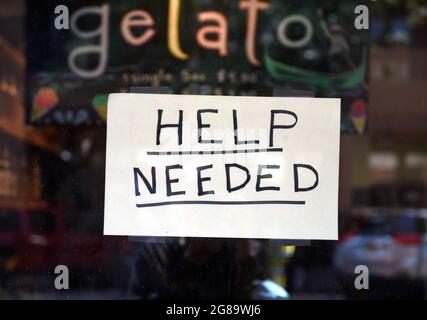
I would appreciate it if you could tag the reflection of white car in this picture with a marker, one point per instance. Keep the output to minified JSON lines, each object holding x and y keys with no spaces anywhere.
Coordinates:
{"x":391,"y":247}
{"x":268,"y":290}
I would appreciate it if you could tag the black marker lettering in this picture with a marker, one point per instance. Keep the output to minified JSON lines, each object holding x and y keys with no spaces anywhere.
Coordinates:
{"x":169,"y":181}
{"x":261,"y":176}
{"x":200,"y":181}
{"x":296,"y":179}
{"x":151,"y":188}
{"x":201,"y":125}
{"x":227,"y":174}
{"x":236,"y":135}
{"x":274,"y":126}
{"x":160,"y":126}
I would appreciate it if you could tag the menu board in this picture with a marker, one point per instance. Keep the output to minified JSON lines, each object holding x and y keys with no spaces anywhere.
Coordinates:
{"x":235,"y":48}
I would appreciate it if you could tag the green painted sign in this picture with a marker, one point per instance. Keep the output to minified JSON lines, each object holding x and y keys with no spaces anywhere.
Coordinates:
{"x":246,"y":47}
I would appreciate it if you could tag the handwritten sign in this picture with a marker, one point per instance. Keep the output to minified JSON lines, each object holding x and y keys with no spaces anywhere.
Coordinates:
{"x":217,"y":166}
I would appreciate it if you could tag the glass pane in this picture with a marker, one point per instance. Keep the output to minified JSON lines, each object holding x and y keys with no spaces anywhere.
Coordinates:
{"x":59,"y":61}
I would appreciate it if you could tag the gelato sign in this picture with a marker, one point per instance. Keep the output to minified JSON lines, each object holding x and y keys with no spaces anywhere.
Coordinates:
{"x":241,"y":47}
{"x":217,"y":166}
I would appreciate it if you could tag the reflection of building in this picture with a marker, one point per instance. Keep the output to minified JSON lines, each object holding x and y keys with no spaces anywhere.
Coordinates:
{"x":23,"y":150}
{"x":389,"y":165}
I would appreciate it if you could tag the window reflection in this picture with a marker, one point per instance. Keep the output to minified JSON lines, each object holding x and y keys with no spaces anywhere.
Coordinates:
{"x":52,"y":146}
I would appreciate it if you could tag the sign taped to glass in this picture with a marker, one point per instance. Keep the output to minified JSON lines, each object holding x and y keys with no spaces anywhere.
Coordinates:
{"x":203,"y":165}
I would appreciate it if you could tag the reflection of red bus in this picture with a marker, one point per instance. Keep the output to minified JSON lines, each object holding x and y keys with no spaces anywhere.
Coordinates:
{"x":28,"y":237}
{"x":34,"y":239}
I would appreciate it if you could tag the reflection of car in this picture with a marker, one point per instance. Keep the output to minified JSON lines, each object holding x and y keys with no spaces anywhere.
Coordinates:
{"x":90,"y":254}
{"x":34,"y":239}
{"x":27,"y":237}
{"x":392,"y":246}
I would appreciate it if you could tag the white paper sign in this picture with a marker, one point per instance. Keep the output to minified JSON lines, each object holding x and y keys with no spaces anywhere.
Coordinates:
{"x":216,"y":166}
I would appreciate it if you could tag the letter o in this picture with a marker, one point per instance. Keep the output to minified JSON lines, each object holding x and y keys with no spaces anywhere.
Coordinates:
{"x":284,"y":39}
